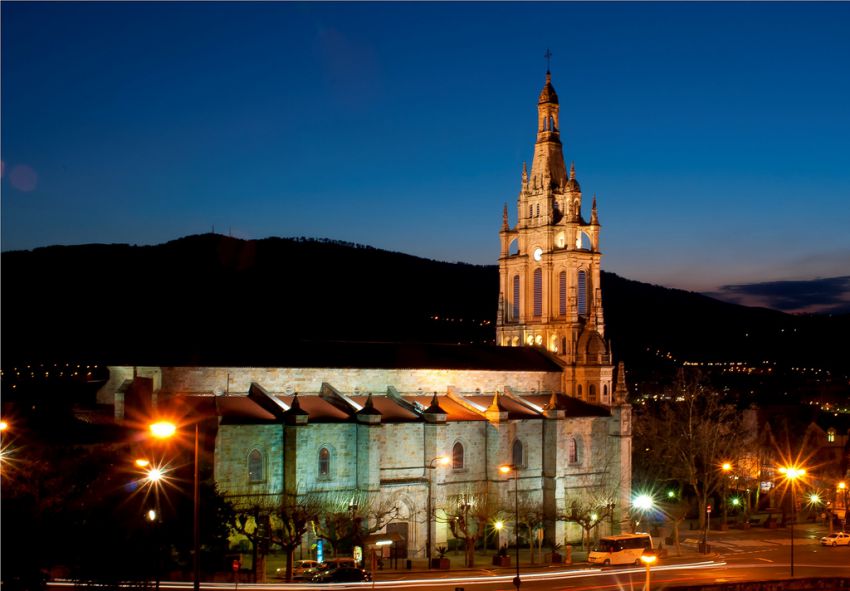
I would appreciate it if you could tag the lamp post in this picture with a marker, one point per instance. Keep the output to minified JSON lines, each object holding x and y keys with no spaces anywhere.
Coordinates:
{"x":842,"y":486}
{"x":791,"y":474}
{"x":432,"y":465}
{"x":648,"y":558}
{"x":726,"y":467}
{"x":165,"y":430}
{"x":507,"y":469}
{"x":642,"y":503}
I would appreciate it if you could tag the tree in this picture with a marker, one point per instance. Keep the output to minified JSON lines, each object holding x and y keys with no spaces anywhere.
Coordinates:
{"x":686,"y":436}
{"x":291,"y":521}
{"x":531,"y":516}
{"x":467,"y":515}
{"x":346,"y":517}
{"x":252,"y":518}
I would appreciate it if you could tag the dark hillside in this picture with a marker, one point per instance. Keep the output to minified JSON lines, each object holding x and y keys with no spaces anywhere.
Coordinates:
{"x":211,"y":293}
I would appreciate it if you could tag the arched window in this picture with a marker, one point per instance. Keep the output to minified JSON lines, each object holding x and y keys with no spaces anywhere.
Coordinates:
{"x":582,"y":293}
{"x":516,"y":299}
{"x":517,"y":453}
{"x":579,"y":390}
{"x":538,"y":292}
{"x":572,"y":450}
{"x":530,"y":210}
{"x":591,"y":393}
{"x":457,"y":456}
{"x":256,"y":467}
{"x":324,"y":462}
{"x":830,"y":435}
{"x":604,"y":392}
{"x":562,"y":293}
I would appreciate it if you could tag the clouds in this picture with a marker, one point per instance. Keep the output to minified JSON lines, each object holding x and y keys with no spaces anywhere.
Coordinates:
{"x":830,"y":295}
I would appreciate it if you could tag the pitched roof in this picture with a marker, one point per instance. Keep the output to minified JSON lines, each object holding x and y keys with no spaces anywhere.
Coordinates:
{"x":345,"y":354}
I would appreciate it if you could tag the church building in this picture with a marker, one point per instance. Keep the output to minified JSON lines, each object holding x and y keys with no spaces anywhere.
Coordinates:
{"x":375,"y":419}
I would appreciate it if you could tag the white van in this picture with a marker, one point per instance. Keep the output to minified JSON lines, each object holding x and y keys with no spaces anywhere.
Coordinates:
{"x":622,"y":549}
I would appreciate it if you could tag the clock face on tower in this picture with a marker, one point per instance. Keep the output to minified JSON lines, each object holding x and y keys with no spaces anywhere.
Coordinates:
{"x":538,"y":253}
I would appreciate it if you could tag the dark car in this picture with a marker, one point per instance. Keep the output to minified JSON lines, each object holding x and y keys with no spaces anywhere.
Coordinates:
{"x":343,"y":574}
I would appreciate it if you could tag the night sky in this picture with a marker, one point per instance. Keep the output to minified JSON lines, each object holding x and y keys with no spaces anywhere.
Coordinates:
{"x":715,"y":136}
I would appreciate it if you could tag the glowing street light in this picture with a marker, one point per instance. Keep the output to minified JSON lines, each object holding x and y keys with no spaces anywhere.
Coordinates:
{"x":165,"y":430}
{"x":792,"y":474}
{"x":507,"y":469}
{"x":642,"y":503}
{"x":726,"y":467}
{"x":432,"y":465}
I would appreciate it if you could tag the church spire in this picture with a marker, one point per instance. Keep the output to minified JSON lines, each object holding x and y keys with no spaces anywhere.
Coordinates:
{"x":594,"y":215}
{"x":548,"y":160}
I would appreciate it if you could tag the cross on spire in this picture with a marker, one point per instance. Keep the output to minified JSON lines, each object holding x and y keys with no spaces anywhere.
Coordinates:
{"x":548,"y":56}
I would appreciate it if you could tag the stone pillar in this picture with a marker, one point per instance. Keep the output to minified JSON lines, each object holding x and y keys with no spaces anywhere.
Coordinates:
{"x":551,"y":457}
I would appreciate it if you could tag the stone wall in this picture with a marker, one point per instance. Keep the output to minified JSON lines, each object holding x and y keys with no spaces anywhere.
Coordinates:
{"x":190,"y":380}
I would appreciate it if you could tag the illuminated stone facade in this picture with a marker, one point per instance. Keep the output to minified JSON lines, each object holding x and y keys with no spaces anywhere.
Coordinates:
{"x":549,"y":267}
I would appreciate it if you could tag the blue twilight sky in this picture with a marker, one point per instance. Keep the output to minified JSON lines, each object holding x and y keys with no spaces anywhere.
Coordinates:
{"x":715,"y":135}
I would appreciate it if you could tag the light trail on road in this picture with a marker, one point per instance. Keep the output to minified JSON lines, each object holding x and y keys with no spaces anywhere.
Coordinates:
{"x":433,"y":582}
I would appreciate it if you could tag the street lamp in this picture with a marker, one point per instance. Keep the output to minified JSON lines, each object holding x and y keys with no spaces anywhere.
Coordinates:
{"x":432,"y":465}
{"x":791,"y":474}
{"x":726,"y":467}
{"x":648,"y":558}
{"x":642,"y":503}
{"x":165,"y":430}
{"x":507,"y":469}
{"x":842,"y":486}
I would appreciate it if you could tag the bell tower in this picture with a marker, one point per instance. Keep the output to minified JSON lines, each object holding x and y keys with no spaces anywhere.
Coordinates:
{"x":549,"y":293}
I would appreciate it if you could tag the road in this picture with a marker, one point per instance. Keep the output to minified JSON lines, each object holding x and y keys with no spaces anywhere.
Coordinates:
{"x":736,"y":556}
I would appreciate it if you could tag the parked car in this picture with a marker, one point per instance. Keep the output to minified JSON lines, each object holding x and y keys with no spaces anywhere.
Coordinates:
{"x":334,"y":563}
{"x":302,"y":569}
{"x":836,"y":539}
{"x":342,"y":574}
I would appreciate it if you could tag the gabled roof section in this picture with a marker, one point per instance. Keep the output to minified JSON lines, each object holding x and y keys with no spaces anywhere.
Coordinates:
{"x":238,"y":408}
{"x":267,"y":402}
{"x":387,"y":407}
{"x":336,"y":398}
{"x":572,"y":407}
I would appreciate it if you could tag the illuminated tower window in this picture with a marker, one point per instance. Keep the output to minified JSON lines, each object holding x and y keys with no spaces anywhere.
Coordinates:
{"x":538,"y":292}
{"x":515,"y":311}
{"x":582,"y":293}
{"x":562,"y":293}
